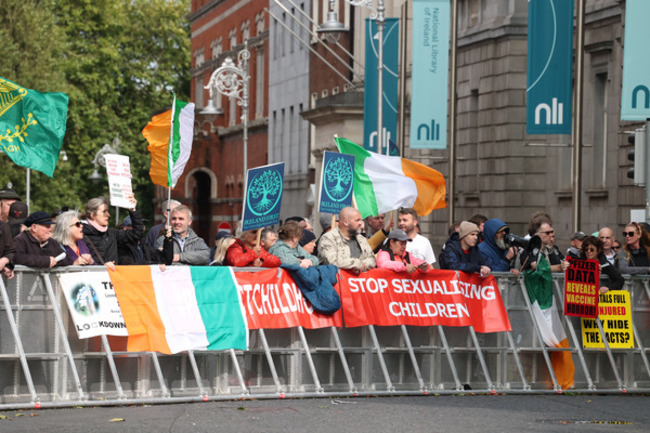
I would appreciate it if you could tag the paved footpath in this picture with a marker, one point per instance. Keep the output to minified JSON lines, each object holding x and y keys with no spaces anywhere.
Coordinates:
{"x":445,"y":414}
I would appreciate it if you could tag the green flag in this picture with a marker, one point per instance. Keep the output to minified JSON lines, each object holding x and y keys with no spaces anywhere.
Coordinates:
{"x":32,"y":125}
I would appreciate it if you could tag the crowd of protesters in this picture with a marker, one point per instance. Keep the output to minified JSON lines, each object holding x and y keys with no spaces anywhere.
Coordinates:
{"x":478,"y":245}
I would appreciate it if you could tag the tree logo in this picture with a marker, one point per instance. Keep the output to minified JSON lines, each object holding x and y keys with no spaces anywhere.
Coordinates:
{"x":84,"y":299}
{"x":264,"y":192}
{"x":338,"y":179}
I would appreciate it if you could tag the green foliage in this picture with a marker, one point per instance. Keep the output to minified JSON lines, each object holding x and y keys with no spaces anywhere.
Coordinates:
{"x":118,"y":60}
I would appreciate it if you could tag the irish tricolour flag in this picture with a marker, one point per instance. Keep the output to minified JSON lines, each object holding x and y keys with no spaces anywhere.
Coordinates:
{"x":170,"y":135}
{"x":539,"y":286}
{"x":383,"y":183}
{"x":180,"y":308}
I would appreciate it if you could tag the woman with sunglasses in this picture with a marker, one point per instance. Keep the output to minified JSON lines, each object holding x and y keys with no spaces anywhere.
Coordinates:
{"x":592,"y":249}
{"x":68,"y":231}
{"x":634,"y":257}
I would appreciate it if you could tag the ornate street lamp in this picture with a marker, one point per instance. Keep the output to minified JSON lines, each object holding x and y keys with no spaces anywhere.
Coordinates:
{"x":232,"y":81}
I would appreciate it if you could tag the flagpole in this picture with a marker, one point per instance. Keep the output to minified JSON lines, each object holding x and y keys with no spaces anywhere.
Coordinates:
{"x":28,"y":179}
{"x":169,"y":165}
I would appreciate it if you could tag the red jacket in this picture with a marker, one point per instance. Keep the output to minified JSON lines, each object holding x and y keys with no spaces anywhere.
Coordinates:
{"x":240,"y":256}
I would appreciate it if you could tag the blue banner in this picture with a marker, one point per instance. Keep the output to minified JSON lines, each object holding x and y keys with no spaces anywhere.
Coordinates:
{"x":550,"y":64}
{"x":336,"y":182}
{"x":429,"y":85}
{"x":263,"y":196}
{"x":635,"y":97}
{"x":389,"y":113}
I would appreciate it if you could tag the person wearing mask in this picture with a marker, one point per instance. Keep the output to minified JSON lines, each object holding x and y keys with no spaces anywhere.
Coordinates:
{"x":102,"y":239}
{"x":634,"y":257}
{"x":287,"y":248}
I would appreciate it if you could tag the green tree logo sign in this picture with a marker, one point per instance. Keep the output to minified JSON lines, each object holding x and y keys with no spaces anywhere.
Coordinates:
{"x":264,"y":193}
{"x":338,"y":179}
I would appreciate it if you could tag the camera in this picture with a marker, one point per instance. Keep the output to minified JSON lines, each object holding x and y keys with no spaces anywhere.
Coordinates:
{"x":515,"y":241}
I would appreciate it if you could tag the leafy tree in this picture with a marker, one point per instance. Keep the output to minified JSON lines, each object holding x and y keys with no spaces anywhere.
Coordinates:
{"x":340,"y":171}
{"x":268,"y":183}
{"x":118,"y":60}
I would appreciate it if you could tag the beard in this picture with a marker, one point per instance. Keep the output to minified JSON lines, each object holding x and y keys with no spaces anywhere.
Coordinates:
{"x":501,"y":243}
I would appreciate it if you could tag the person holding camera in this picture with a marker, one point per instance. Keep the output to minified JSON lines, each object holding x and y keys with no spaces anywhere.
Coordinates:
{"x":497,"y":251}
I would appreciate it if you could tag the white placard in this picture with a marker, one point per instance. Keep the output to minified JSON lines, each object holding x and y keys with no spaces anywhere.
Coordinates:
{"x":118,"y":170}
{"x":93,"y":304}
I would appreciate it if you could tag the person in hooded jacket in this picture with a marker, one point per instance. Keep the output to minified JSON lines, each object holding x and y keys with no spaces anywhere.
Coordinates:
{"x":496,"y":254}
{"x":461,"y":253}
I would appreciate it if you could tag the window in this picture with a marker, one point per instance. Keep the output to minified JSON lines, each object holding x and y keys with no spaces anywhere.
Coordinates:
{"x":199,"y":57}
{"x":246,"y":30}
{"x":599,"y":136}
{"x":259,"y":84}
{"x":217,"y":47}
{"x":232,"y":37}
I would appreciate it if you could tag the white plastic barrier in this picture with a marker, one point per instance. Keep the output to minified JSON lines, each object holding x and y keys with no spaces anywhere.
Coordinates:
{"x":44,"y":364}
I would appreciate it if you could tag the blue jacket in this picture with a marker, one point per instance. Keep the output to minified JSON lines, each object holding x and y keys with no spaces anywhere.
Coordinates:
{"x":453,"y":257}
{"x":317,"y":285}
{"x":493,"y":256}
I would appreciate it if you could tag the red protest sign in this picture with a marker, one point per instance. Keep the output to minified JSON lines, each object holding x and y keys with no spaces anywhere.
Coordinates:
{"x":581,"y":282}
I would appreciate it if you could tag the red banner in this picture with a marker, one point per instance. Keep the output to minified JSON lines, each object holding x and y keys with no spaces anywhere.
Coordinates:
{"x":581,"y":284}
{"x":383,"y":297}
{"x":273,"y":301}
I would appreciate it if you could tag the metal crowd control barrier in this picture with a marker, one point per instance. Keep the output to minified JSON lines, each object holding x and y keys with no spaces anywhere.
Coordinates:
{"x":44,"y":364}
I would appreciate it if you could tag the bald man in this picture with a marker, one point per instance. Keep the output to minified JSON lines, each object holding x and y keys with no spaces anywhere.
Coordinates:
{"x":345,"y":246}
{"x":606,"y":235}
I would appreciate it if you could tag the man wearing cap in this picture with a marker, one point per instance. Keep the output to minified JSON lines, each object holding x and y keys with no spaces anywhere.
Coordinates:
{"x":34,"y":246}
{"x":576,"y":245}
{"x":189,"y":248}
{"x":461,"y":253}
{"x":17,"y":215}
{"x":7,"y":197}
{"x":7,"y":250}
{"x":496,"y":254}
{"x":345,"y":246}
{"x":420,"y":247}
{"x":393,"y":255}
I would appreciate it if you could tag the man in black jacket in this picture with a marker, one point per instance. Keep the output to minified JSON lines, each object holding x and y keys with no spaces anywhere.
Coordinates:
{"x":34,"y":246}
{"x":461,"y":253}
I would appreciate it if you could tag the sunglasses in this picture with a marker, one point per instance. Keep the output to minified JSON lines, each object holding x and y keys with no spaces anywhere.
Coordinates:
{"x":616,"y":248}
{"x":77,"y":224}
{"x":591,"y":250}
{"x":628,"y":234}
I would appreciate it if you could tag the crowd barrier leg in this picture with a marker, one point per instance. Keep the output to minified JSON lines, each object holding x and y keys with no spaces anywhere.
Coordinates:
{"x":64,"y":339}
{"x":269,"y":358}
{"x":19,"y":345}
{"x":159,"y":374}
{"x":414,"y":361}
{"x":610,"y":356}
{"x":310,"y":361}
{"x":344,"y":361}
{"x":240,"y":376}
{"x":547,"y":358}
{"x":380,"y":355}
{"x":111,"y":366}
{"x":197,"y":374}
{"x":481,"y":359}
{"x":520,"y":367}
{"x":450,"y":358}
{"x":574,"y":338}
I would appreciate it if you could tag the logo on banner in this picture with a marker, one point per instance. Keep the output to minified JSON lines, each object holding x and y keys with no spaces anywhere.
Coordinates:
{"x":431,"y":133}
{"x":338,"y":179}
{"x":553,"y":114}
{"x":85,"y":300}
{"x":264,"y":193}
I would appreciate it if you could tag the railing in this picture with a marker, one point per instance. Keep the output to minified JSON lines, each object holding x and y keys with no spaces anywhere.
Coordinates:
{"x":44,"y":364}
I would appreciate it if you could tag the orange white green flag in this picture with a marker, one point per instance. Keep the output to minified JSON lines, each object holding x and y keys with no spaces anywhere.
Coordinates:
{"x":170,"y":136}
{"x":383,"y":183}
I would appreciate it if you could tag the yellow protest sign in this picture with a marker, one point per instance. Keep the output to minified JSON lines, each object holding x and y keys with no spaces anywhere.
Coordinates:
{"x":615,"y":314}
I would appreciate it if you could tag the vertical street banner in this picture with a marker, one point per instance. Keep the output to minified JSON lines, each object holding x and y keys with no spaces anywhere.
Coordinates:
{"x":550,"y":64}
{"x":429,"y":84}
{"x":92,"y":304}
{"x":389,"y":97}
{"x":615,"y":313}
{"x":581,"y":288}
{"x":635,"y":96}
{"x":263,"y":196}
{"x":337,"y":180}
{"x":118,"y":170}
